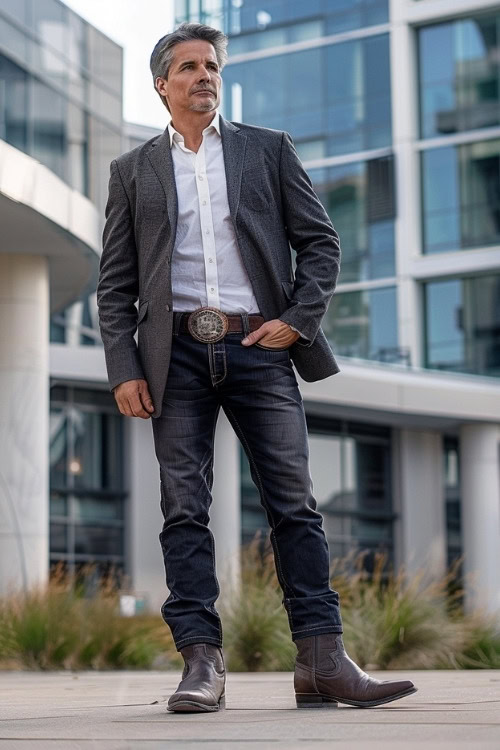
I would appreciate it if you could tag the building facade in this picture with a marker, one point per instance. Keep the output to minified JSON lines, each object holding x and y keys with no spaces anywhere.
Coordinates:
{"x":394,"y":108}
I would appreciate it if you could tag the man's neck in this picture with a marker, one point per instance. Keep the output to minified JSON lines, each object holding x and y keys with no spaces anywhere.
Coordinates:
{"x":191,"y":126}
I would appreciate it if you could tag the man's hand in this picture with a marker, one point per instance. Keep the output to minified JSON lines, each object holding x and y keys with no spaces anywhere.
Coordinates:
{"x":133,"y":398}
{"x":274,"y":334}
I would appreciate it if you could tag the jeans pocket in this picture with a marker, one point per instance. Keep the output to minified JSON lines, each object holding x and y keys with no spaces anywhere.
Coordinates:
{"x":272,"y":348}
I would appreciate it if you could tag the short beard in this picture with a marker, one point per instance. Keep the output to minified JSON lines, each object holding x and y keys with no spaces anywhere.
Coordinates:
{"x":207,"y":106}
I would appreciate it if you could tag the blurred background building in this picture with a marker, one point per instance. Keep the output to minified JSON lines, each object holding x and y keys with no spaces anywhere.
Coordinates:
{"x":394,"y":107}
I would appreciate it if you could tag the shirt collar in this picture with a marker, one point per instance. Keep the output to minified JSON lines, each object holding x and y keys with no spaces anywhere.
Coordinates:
{"x":215,"y":123}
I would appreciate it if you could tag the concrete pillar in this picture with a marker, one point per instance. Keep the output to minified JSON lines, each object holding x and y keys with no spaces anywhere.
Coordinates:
{"x":480,"y":490}
{"x":407,"y":226}
{"x":24,"y":420}
{"x":225,"y":513}
{"x":421,"y":533}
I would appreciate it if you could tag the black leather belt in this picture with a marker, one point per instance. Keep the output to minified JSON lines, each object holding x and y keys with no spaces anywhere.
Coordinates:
{"x":208,"y":324}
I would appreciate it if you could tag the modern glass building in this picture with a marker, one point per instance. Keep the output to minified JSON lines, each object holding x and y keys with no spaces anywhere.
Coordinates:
{"x":393,"y":106}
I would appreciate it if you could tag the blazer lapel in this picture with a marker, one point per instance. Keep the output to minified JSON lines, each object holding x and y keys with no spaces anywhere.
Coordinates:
{"x":160,"y":157}
{"x":233,"y":148}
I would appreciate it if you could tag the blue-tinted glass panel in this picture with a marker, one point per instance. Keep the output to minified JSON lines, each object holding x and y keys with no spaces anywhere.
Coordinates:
{"x":239,"y":17}
{"x":86,"y":477}
{"x":459,"y":65}
{"x":463,"y":325}
{"x":97,"y":461}
{"x":335,"y":97}
{"x":360,"y":210}
{"x":363,"y":324}
{"x":16,"y":9}
{"x":97,"y":509}
{"x":445,"y":345}
{"x":49,"y":128}
{"x":58,"y":536}
{"x":461,"y":196}
{"x":13,"y":41}
{"x":98,"y":540}
{"x":14,"y":104}
{"x":59,"y":436}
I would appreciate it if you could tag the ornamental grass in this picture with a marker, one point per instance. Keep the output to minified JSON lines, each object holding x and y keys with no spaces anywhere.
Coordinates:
{"x":392,"y":620}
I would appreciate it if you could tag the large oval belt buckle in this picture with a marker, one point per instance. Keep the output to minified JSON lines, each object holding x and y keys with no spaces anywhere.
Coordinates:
{"x":208,"y":324}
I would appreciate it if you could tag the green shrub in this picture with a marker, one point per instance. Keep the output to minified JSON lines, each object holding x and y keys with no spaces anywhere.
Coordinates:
{"x":57,"y":627}
{"x":391,"y":621}
{"x":255,"y":624}
{"x":480,"y":647}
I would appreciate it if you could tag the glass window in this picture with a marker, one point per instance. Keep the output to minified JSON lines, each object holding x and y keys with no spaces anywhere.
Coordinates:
{"x":58,"y":504}
{"x":58,"y":447}
{"x":105,"y":59}
{"x":459,"y":63}
{"x":13,"y":104}
{"x":49,"y":128}
{"x":104,"y":145}
{"x":12,"y":40}
{"x":16,"y":9}
{"x":359,"y":198}
{"x":96,"y":451}
{"x":462,"y":325}
{"x":98,"y":540}
{"x":236,"y":16}
{"x":50,"y":22}
{"x":338,"y":95}
{"x":77,"y":148}
{"x":363,"y":324}
{"x":58,"y":535}
{"x":461,"y":196}
{"x":87,"y":500}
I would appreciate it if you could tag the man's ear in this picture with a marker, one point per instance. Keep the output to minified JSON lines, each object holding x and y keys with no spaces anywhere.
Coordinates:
{"x":163,"y":83}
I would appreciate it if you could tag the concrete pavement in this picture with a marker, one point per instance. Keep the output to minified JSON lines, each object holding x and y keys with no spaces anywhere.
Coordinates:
{"x":127,"y":710}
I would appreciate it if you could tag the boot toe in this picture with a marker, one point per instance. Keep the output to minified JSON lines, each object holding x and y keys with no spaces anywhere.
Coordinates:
{"x":193,"y":701}
{"x":396,"y":688}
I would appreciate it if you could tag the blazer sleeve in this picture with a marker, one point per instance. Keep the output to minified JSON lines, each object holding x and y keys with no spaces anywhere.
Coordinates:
{"x":118,"y":286}
{"x":312,"y":235}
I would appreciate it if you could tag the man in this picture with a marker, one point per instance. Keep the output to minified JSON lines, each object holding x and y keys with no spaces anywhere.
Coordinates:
{"x":199,"y":223}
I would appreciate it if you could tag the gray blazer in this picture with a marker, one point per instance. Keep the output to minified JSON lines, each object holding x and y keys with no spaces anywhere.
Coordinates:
{"x":272,"y":205}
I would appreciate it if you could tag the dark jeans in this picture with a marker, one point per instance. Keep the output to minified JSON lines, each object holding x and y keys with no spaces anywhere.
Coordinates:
{"x":258,"y":391}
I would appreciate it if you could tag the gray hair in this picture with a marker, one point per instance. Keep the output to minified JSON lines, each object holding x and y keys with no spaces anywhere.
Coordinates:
{"x":163,"y":53}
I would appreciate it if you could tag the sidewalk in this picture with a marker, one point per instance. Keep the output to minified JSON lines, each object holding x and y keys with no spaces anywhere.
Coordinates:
{"x":122,"y":710}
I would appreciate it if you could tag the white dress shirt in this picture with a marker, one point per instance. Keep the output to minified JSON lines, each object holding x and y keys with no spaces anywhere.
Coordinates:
{"x":207,"y":269}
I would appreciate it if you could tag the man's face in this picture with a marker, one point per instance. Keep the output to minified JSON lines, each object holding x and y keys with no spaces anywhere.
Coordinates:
{"x":194,"y":81}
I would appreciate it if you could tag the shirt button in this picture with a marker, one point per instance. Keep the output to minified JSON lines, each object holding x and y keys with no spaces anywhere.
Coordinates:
{"x":212,"y":289}
{"x":204,"y":203}
{"x":210,"y":260}
{"x":200,"y":177}
{"x":207,"y":231}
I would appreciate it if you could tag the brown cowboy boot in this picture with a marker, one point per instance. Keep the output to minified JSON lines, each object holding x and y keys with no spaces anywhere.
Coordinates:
{"x":202,"y":687}
{"x":325,"y":676}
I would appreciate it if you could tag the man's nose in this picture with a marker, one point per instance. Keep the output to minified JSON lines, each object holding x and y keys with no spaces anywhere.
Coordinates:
{"x":204,"y":73}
